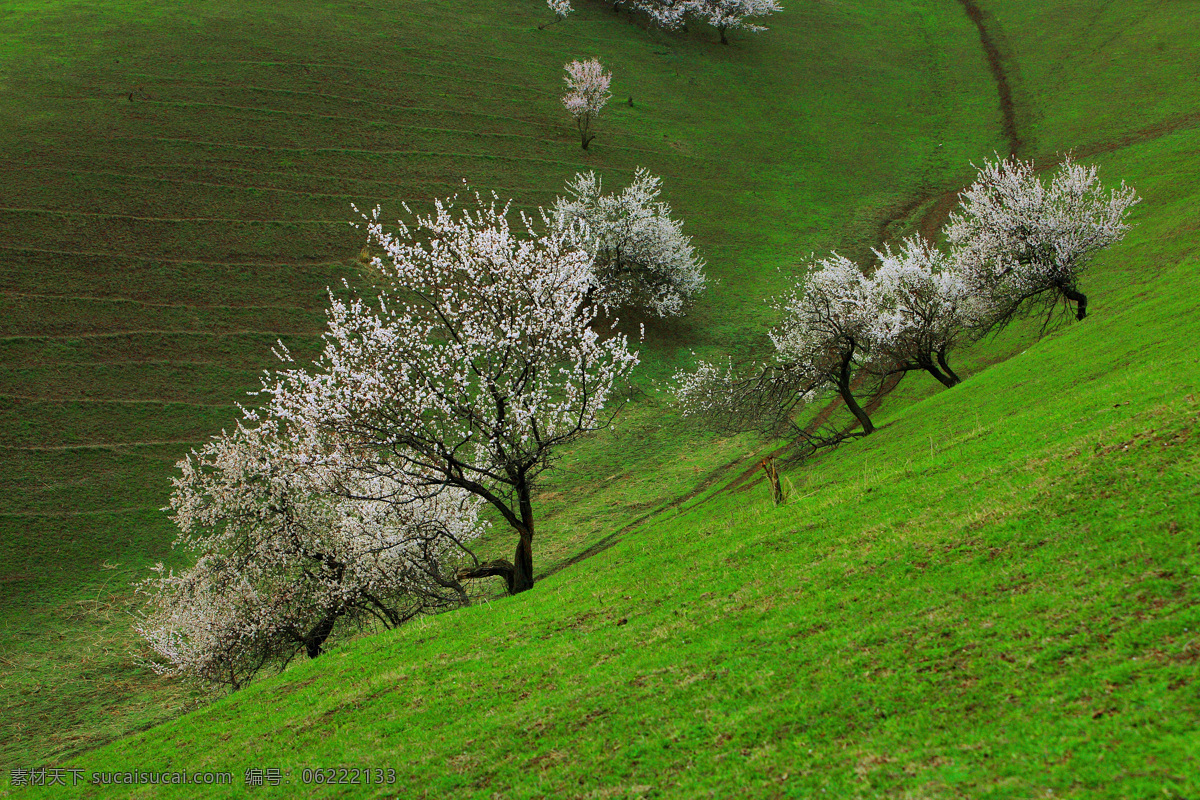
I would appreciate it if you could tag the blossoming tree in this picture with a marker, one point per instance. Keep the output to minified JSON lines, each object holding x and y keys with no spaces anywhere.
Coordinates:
{"x":290,"y":539}
{"x":587,"y":92}
{"x":824,"y":338}
{"x":475,"y":365}
{"x":921,"y":309}
{"x":1024,"y":244}
{"x":561,"y":9}
{"x":640,"y":254}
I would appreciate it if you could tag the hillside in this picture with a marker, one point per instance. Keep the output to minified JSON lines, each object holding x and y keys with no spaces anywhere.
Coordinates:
{"x":994,"y":594}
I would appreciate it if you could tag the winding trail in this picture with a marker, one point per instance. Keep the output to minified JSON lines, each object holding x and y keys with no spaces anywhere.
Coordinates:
{"x":989,"y":37}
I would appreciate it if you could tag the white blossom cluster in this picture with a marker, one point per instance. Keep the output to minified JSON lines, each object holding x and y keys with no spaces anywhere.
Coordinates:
{"x":921,"y":308}
{"x":824,"y":337}
{"x":289,"y":541}
{"x":827,"y":320}
{"x":481,"y":350}
{"x":640,"y":254}
{"x":666,"y":14}
{"x":732,"y":14}
{"x":1018,"y":239}
{"x":587,"y":93}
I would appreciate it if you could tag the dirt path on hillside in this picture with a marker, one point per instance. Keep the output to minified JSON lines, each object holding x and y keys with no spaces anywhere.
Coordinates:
{"x":989,"y":38}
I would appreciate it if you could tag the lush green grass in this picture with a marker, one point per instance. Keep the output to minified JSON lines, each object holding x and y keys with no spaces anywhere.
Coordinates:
{"x":151,"y":249}
{"x":994,"y":596}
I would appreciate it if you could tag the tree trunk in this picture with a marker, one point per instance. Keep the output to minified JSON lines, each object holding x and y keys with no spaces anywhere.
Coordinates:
{"x":584,"y":124}
{"x":927,"y":364}
{"x":951,"y":374}
{"x":847,"y":394}
{"x":498,"y":568}
{"x":319,"y":633}
{"x":857,"y":410}
{"x":523,"y":558}
{"x":522,"y":579}
{"x":1080,"y":300}
{"x":771,"y":467}
{"x":723,"y":39}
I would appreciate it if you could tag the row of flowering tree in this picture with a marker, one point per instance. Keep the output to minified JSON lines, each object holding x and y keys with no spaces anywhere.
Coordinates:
{"x":724,"y":15}
{"x":353,"y":494}
{"x":1019,"y":245}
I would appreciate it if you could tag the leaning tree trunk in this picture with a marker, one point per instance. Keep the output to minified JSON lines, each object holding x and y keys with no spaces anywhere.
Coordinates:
{"x":523,"y":558}
{"x":319,"y":633}
{"x":522,"y":565}
{"x":1079,"y":298}
{"x":926,"y":362}
{"x":951,"y":374}
{"x":518,"y":574}
{"x":857,"y":410}
{"x":847,"y":394}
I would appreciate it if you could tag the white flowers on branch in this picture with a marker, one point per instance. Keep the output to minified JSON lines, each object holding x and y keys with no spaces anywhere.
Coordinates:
{"x":291,"y":539}
{"x":640,"y":254}
{"x":724,"y":15}
{"x":921,"y":308}
{"x":666,"y":14}
{"x":826,"y":331}
{"x":479,"y":361}
{"x":1023,"y":244}
{"x":587,"y":92}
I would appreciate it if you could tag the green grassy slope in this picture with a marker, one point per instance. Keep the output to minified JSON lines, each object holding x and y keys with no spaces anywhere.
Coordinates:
{"x":177,"y":181}
{"x":815,"y":135}
{"x":994,"y":596}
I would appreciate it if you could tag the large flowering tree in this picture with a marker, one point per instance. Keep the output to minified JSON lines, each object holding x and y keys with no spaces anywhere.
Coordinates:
{"x":587,"y":93}
{"x":1023,"y":243}
{"x":478,"y":361}
{"x":640,"y":254}
{"x":291,"y":538}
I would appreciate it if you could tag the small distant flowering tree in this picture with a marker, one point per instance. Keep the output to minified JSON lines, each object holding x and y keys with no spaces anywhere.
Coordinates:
{"x":725,"y":15}
{"x":640,"y":254}
{"x":471,"y":369}
{"x":1023,"y":244}
{"x":587,"y":92}
{"x":561,"y":9}
{"x":822,"y":342}
{"x":921,"y":309}
{"x":290,"y":539}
